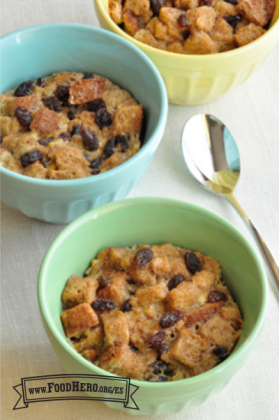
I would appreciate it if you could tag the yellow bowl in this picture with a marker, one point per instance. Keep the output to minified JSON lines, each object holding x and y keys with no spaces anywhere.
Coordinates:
{"x":195,"y":79}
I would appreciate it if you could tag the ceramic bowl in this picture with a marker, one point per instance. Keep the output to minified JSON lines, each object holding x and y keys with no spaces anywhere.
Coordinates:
{"x":193,"y":79}
{"x":44,"y":49}
{"x":155,"y":221}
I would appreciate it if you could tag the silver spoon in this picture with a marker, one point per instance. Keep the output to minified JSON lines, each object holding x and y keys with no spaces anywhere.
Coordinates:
{"x":212,"y":157}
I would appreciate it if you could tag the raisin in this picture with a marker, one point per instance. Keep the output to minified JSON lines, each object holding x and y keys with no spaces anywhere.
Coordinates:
{"x":103,"y":118}
{"x":95,"y":165}
{"x":162,"y":379}
{"x":182,"y":21}
{"x":171,"y":318}
{"x":162,"y":348}
{"x":23,"y":116}
{"x":157,"y":338}
{"x":30,"y":157}
{"x":192,"y":262}
{"x":1,"y":138}
{"x":126,"y":307}
{"x":234,"y":2}
{"x":65,"y":136}
{"x":233,"y":20}
{"x":109,"y":148}
{"x":24,"y":89}
{"x":89,"y":138}
{"x":216,"y":296}
{"x":40,"y":81}
{"x":123,"y":141}
{"x":76,"y":130}
{"x":72,"y":113}
{"x":104,"y":281}
{"x":103,"y":305}
{"x":156,"y":5}
{"x":134,"y":349}
{"x":131,"y":281}
{"x":62,"y":93}
{"x":175,"y":281}
{"x":186,"y":35}
{"x":88,"y":76}
{"x":53,"y":103}
{"x":94,"y":106}
{"x":158,"y":367}
{"x":220,"y":351}
{"x":44,"y":141}
{"x":142,"y":257}
{"x":205,"y":3}
{"x":169,"y":372}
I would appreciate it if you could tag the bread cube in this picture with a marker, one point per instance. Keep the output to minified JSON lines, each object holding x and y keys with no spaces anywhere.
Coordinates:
{"x":256,"y":10}
{"x":183,"y":296}
{"x":92,"y":338}
{"x":116,"y":290}
{"x":8,"y":161}
{"x":116,"y":328}
{"x":187,"y":349}
{"x":204,"y":279}
{"x":31,"y":103}
{"x":131,"y":22}
{"x":146,"y":296}
{"x":79,"y":290}
{"x":200,"y":43}
{"x":200,"y":19}
{"x":202,"y":314}
{"x":169,"y":16}
{"x":90,"y":355}
{"x":45,"y":122}
{"x":36,"y":170}
{"x":127,"y":120}
{"x":86,"y":90}
{"x":78,"y":319}
{"x":121,"y":360}
{"x":139,"y":8}
{"x":248,"y":34}
{"x":186,"y":4}
{"x":115,"y":10}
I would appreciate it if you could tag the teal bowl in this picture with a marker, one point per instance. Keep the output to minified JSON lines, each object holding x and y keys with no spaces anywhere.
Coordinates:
{"x":44,"y":49}
{"x":155,"y":221}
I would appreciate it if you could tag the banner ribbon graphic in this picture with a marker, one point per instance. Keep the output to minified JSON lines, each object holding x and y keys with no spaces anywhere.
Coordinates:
{"x":75,"y":387}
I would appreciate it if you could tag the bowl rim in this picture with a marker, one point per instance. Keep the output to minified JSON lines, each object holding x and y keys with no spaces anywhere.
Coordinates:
{"x":152,"y":141}
{"x":192,"y":57}
{"x":93,"y":214}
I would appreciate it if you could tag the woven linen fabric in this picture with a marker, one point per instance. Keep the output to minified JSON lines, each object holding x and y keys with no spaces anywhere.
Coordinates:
{"x":251,"y":112}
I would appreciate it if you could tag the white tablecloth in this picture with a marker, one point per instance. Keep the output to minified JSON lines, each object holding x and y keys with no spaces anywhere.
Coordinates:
{"x":252,"y":113}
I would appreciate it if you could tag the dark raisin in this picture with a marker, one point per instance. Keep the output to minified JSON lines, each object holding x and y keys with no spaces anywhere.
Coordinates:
{"x":95,"y":165}
{"x":158,"y":367}
{"x":162,"y":379}
{"x":220,"y":351}
{"x":162,"y":348}
{"x":234,"y":2}
{"x":175,"y":281}
{"x":88,"y":76}
{"x":23,"y":116}
{"x":72,"y":113}
{"x":142,"y":257}
{"x":44,"y":141}
{"x":131,"y":281}
{"x":216,"y":296}
{"x":192,"y":262}
{"x":75,"y":339}
{"x":40,"y":81}
{"x":171,"y":318}
{"x":186,"y":34}
{"x":109,"y":148}
{"x":182,"y":21}
{"x":1,"y":138}
{"x":53,"y":103}
{"x":126,"y":307}
{"x":205,"y":3}
{"x":123,"y":141}
{"x":134,"y":349}
{"x":76,"y":130}
{"x":103,"y":118}
{"x":156,"y":5}
{"x":103,"y":305}
{"x":89,"y":138}
{"x":233,"y":20}
{"x":25,"y":89}
{"x":94,"y":106}
{"x":30,"y":157}
{"x":104,"y":281}
{"x":169,"y":372}
{"x":65,"y":136}
{"x":62,"y":93}
{"x":157,"y":338}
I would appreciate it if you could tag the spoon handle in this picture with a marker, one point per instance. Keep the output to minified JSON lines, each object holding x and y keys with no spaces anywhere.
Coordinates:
{"x":268,"y":258}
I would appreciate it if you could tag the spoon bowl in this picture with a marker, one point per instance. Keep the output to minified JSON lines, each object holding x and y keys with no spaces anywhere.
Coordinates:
{"x":212,"y":157}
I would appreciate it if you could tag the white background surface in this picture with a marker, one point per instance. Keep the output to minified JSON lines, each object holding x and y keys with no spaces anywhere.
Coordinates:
{"x":252,"y":114}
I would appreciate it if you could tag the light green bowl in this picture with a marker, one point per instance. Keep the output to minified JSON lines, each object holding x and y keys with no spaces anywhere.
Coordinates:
{"x":155,"y":221}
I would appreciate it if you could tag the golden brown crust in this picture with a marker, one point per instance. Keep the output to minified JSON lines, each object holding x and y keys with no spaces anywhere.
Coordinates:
{"x":78,"y":319}
{"x":45,"y":122}
{"x":86,"y":90}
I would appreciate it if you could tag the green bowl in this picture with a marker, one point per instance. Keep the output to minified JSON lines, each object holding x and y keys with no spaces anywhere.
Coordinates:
{"x":155,"y":221}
